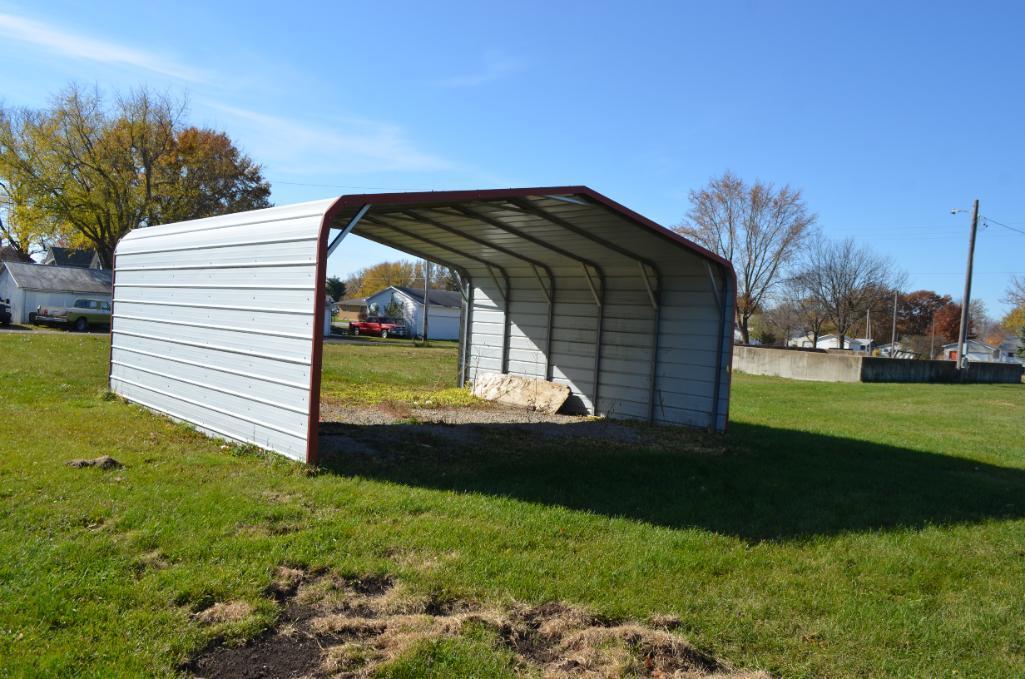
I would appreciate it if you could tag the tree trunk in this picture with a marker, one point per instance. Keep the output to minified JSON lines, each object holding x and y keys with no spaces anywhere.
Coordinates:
{"x":745,"y":333}
{"x":106,"y":254}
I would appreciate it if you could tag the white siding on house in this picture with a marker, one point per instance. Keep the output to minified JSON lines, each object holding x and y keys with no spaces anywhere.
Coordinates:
{"x":8,"y":290}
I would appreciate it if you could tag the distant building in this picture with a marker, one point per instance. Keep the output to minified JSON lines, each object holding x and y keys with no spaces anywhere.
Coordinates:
{"x":856,"y":344}
{"x":351,"y":309}
{"x":83,"y":259}
{"x":29,"y":286}
{"x":980,"y":352}
{"x":895,"y":350}
{"x":330,"y":309}
{"x":443,"y":314}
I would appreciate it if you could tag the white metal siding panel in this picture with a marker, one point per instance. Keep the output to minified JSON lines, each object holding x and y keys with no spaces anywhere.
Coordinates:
{"x":213,"y":323}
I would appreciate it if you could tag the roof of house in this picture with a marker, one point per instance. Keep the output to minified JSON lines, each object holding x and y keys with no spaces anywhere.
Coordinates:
{"x":9,"y":253}
{"x":829,"y":336}
{"x":353,"y":301}
{"x":449,"y":298}
{"x":60,"y":278}
{"x":70,"y":257}
{"x":969,"y":343}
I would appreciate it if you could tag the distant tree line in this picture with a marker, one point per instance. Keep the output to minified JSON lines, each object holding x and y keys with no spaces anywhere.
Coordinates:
{"x":792,"y":281}
{"x":400,"y":273}
{"x":87,"y":170}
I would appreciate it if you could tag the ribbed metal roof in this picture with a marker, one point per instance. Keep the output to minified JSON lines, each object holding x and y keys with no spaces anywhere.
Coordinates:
{"x":59,"y":278}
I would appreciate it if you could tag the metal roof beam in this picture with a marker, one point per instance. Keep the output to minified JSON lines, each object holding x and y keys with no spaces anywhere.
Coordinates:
{"x":418,"y":216}
{"x":419,"y":253}
{"x":348,"y":229}
{"x":520,"y":233}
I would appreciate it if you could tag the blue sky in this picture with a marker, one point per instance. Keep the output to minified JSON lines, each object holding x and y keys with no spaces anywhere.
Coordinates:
{"x":886,"y":115}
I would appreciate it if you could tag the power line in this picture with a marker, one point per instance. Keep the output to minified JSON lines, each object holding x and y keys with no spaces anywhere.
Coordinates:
{"x":344,"y":186}
{"x":989,"y":220}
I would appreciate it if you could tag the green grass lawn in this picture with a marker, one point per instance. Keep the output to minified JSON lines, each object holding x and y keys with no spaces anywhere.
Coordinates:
{"x":848,"y":530}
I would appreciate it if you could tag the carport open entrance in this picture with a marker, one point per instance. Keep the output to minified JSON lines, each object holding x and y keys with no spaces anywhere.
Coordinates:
{"x":559,"y":284}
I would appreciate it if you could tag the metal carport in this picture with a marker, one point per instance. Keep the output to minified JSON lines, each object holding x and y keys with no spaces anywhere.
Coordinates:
{"x":215,"y":320}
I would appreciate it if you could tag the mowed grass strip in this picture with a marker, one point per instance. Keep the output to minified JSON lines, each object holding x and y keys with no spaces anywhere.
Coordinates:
{"x":375,"y":371}
{"x":849,"y":530}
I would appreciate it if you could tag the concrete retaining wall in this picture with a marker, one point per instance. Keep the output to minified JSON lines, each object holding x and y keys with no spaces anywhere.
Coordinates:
{"x":818,"y":367}
{"x":797,"y":365}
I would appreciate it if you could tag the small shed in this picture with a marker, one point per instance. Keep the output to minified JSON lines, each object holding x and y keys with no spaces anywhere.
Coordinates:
{"x":352,"y":309}
{"x":443,"y":314}
{"x":217,"y":321}
{"x":30,"y":286}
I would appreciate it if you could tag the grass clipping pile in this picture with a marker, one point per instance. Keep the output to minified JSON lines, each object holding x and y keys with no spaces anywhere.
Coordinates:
{"x":339,"y":627}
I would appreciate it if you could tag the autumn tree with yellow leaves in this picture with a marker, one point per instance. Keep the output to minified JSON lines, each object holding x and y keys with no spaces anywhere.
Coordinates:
{"x":86,"y":172}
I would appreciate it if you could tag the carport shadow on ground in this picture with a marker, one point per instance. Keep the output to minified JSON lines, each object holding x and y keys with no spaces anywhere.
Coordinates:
{"x":761,"y":483}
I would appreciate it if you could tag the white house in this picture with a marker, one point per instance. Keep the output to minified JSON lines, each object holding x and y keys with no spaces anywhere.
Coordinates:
{"x":980,"y":352}
{"x":443,"y":315}
{"x":856,"y":344}
{"x":29,"y":286}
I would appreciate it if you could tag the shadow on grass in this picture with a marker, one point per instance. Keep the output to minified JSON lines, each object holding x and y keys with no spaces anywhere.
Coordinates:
{"x":768,"y":483}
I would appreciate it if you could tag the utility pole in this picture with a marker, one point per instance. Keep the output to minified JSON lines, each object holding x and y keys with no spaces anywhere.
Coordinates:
{"x":962,"y":334}
{"x":893,"y":333}
{"x":427,"y":293}
{"x":932,"y":338}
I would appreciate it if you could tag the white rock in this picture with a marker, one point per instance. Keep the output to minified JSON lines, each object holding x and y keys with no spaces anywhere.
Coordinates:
{"x":515,"y":390}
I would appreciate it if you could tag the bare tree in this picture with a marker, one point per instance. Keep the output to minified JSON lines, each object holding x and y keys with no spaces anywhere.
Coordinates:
{"x":784,"y":320}
{"x":800,"y":310}
{"x":845,"y":280}
{"x":1016,"y":293}
{"x":757,"y":227}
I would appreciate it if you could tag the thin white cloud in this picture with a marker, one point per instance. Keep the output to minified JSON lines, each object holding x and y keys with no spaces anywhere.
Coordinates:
{"x":74,"y":45}
{"x":344,"y":145}
{"x":496,"y":66}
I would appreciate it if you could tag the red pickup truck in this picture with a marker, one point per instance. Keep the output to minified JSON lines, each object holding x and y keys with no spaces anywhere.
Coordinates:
{"x":380,"y":326}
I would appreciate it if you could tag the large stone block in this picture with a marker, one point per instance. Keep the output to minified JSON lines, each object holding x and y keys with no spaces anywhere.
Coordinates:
{"x":527,"y":392}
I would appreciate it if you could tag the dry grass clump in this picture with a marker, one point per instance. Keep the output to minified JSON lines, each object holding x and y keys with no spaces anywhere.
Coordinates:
{"x":378,"y":620}
{"x":353,"y":627}
{"x":224,"y":611}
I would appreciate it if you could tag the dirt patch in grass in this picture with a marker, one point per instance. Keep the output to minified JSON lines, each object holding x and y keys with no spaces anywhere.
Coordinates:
{"x":353,"y":627}
{"x":102,"y":462}
{"x":350,"y":429}
{"x":152,"y":560}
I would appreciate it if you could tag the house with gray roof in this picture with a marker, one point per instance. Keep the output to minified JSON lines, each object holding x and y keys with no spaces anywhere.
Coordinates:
{"x":29,"y":286}
{"x":406,"y":303}
{"x":84,"y":259}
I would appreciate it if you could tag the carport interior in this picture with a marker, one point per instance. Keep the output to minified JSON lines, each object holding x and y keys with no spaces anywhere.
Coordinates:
{"x":563,"y":284}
